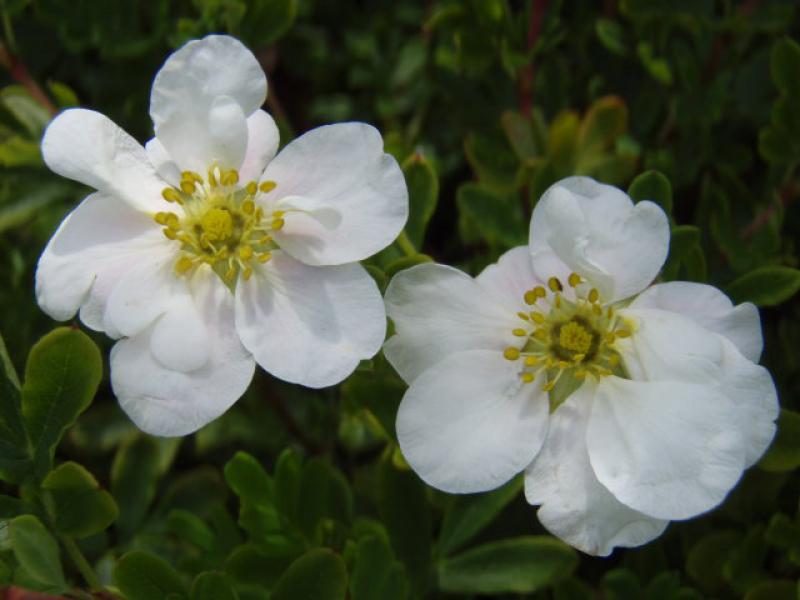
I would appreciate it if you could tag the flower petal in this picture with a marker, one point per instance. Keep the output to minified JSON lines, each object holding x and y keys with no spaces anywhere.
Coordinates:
{"x":468,"y":424}
{"x":709,"y":308}
{"x":575,"y":505}
{"x":162,"y":162}
{"x":95,"y":245}
{"x":343,"y":167}
{"x":597,"y":232}
{"x":89,"y":147}
{"x":510,"y":277}
{"x":165,"y":402}
{"x":262,"y":145}
{"x":670,"y":450}
{"x":180,"y":339}
{"x":310,"y":325}
{"x":204,"y":87}
{"x":438,"y":310}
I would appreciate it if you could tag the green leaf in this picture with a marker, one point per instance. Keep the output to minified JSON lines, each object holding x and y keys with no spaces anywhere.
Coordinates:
{"x":37,"y":552}
{"x":423,"y":195}
{"x":520,"y":565}
{"x":406,"y":514}
{"x":78,"y":507}
{"x":134,"y":476}
{"x":493,"y":161}
{"x":605,"y":121}
{"x":248,"y":479}
{"x":468,"y":515}
{"x":784,"y":453}
{"x":377,"y":575}
{"x":6,"y":366}
{"x":27,"y":111}
{"x":248,"y":565}
{"x":520,"y":133}
{"x":766,"y":286}
{"x":267,"y":20}
{"x":287,"y":483}
{"x":143,"y":576}
{"x":622,"y":584}
{"x":63,"y":371}
{"x":706,"y":559}
{"x":653,"y":186}
{"x":317,"y":575}
{"x":496,"y":216}
{"x":190,"y":528}
{"x":406,"y":262}
{"x":774,"y":589}
{"x":785,"y":66}
{"x":212,"y":586}
{"x":14,"y":450}
{"x":611,"y":35}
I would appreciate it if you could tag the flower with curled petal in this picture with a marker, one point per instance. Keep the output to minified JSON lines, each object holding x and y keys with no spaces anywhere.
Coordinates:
{"x":627,"y":405}
{"x":208,"y":251}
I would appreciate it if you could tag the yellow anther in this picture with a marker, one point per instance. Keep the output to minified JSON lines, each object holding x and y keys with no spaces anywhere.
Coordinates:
{"x":538,"y":318}
{"x":574,"y":279}
{"x":527,"y":377}
{"x":562,"y":364}
{"x":530,"y":297}
{"x":541,"y":335}
{"x":594,"y":295}
{"x":613,"y":360}
{"x":245,"y":252}
{"x":523,"y":316}
{"x":578,"y":358}
{"x":579,"y":374}
{"x":160,"y":218}
{"x":171,"y":195}
{"x":188,"y":187}
{"x":183,"y":265}
{"x":539,"y":291}
{"x":229,"y":177}
{"x":610,"y":337}
{"x":248,"y":207}
{"x":170,"y":234}
{"x":212,"y":178}
{"x":267,"y":186}
{"x":554,"y":284}
{"x":191,"y":176}
{"x":519,"y":332}
{"x":610,"y":312}
{"x":264,"y":257}
{"x":172,"y":221}
{"x":511,"y":353}
{"x":622,"y":333}
{"x":252,"y":188}
{"x":247,"y":273}
{"x":548,"y":387}
{"x":597,"y":310}
{"x":531,"y":361}
{"x":277,"y":224}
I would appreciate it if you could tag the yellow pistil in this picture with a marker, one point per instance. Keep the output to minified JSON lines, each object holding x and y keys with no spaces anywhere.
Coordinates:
{"x":574,"y":336}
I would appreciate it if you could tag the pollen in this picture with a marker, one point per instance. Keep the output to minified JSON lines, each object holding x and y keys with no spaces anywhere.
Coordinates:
{"x":574,"y":337}
{"x":219,"y":223}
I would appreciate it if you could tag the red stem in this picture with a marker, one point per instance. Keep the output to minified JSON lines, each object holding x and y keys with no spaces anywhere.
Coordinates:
{"x":526,"y":76}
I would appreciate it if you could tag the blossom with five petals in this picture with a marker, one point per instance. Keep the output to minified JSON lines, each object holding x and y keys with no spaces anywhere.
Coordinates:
{"x":626,"y":406}
{"x":208,"y":251}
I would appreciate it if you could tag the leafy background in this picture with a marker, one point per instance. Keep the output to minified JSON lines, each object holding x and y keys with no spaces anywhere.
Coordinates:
{"x":299,"y":494}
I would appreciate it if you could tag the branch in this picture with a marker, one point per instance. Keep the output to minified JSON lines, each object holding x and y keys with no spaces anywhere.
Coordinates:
{"x":526,"y":76}
{"x":785,"y":196}
{"x":19,"y":72}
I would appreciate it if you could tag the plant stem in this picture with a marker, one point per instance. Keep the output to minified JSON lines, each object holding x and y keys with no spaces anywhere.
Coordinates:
{"x":405,"y":244}
{"x":80,"y":562}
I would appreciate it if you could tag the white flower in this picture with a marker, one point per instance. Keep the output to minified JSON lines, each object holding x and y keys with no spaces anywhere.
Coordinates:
{"x":206,"y":252}
{"x":625,"y":411}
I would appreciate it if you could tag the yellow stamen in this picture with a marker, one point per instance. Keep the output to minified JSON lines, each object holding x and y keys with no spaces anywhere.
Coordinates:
{"x":527,"y":377}
{"x":519,"y":332}
{"x":267,"y":186}
{"x":554,"y":284}
{"x":594,"y":295}
{"x":511,"y":353}
{"x":574,"y":279}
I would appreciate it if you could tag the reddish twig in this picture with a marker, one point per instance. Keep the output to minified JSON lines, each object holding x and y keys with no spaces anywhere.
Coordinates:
{"x":785,"y":196}
{"x":536,"y":18}
{"x":19,"y":72}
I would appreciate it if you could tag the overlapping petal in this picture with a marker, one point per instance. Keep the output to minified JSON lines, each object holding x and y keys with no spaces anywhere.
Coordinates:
{"x":575,"y":505}
{"x":468,"y":424}
{"x":510,"y":277}
{"x":95,"y":245}
{"x":597,"y":232}
{"x":89,"y":147}
{"x":201,"y":99}
{"x":310,"y":325}
{"x":668,"y":449}
{"x":164,"y":401}
{"x":438,"y":310}
{"x":341,"y":167}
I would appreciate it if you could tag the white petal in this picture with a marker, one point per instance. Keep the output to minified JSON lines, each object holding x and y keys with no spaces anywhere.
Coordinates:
{"x":166,"y":402}
{"x":185,"y":101}
{"x":575,"y":505}
{"x":162,"y":162}
{"x":510,"y":277}
{"x":438,"y":310}
{"x":95,"y":245}
{"x":89,"y":147}
{"x":262,"y":145}
{"x":468,"y":424}
{"x":667,"y":346}
{"x":711,"y":309}
{"x":310,"y":325}
{"x":180,"y":339}
{"x":343,"y":167}
{"x":670,"y":450}
{"x":598,"y":233}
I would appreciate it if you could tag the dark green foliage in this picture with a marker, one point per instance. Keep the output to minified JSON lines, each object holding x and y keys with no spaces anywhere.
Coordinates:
{"x":303,"y":494}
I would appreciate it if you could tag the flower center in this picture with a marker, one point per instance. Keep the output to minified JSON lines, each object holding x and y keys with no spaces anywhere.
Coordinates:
{"x":564,"y":339}
{"x":220,"y":224}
